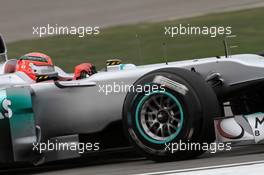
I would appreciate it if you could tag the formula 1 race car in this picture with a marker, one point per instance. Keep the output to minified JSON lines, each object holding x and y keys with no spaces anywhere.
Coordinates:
{"x":145,"y":108}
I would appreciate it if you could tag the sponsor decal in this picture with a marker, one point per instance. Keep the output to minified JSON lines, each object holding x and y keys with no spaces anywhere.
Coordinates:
{"x":5,"y":110}
{"x":258,"y":127}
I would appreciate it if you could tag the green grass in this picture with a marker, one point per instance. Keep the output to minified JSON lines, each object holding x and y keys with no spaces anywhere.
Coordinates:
{"x":121,"y":41}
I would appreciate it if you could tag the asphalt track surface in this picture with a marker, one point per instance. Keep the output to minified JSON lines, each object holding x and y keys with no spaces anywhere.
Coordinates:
{"x":122,"y":164}
{"x":17,"y":17}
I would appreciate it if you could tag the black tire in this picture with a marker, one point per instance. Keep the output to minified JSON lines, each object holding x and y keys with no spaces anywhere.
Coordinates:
{"x":198,"y":107}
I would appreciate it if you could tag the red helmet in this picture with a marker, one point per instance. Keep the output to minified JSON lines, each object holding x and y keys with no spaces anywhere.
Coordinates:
{"x":37,"y":66}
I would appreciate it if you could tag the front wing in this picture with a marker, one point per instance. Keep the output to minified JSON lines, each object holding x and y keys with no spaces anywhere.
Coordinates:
{"x":240,"y":129}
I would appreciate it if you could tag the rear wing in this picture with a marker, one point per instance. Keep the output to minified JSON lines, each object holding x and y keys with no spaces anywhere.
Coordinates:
{"x":3,"y":50}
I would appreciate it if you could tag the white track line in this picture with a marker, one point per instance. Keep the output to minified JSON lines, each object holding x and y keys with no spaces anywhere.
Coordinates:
{"x":204,"y":168}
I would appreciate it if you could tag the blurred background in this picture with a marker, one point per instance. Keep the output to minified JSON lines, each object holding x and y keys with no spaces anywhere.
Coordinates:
{"x":130,"y":30}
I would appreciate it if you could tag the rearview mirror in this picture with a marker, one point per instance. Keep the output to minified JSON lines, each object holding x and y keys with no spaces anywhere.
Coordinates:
{"x":3,"y":51}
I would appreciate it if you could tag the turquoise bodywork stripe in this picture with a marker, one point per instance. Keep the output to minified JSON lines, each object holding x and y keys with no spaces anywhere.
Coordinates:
{"x":21,"y":106}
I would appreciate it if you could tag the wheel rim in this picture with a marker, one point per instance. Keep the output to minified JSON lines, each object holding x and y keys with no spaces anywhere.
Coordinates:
{"x":159,"y":117}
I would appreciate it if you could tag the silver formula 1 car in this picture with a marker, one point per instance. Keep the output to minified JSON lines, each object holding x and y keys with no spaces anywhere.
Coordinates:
{"x":142,"y":107}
